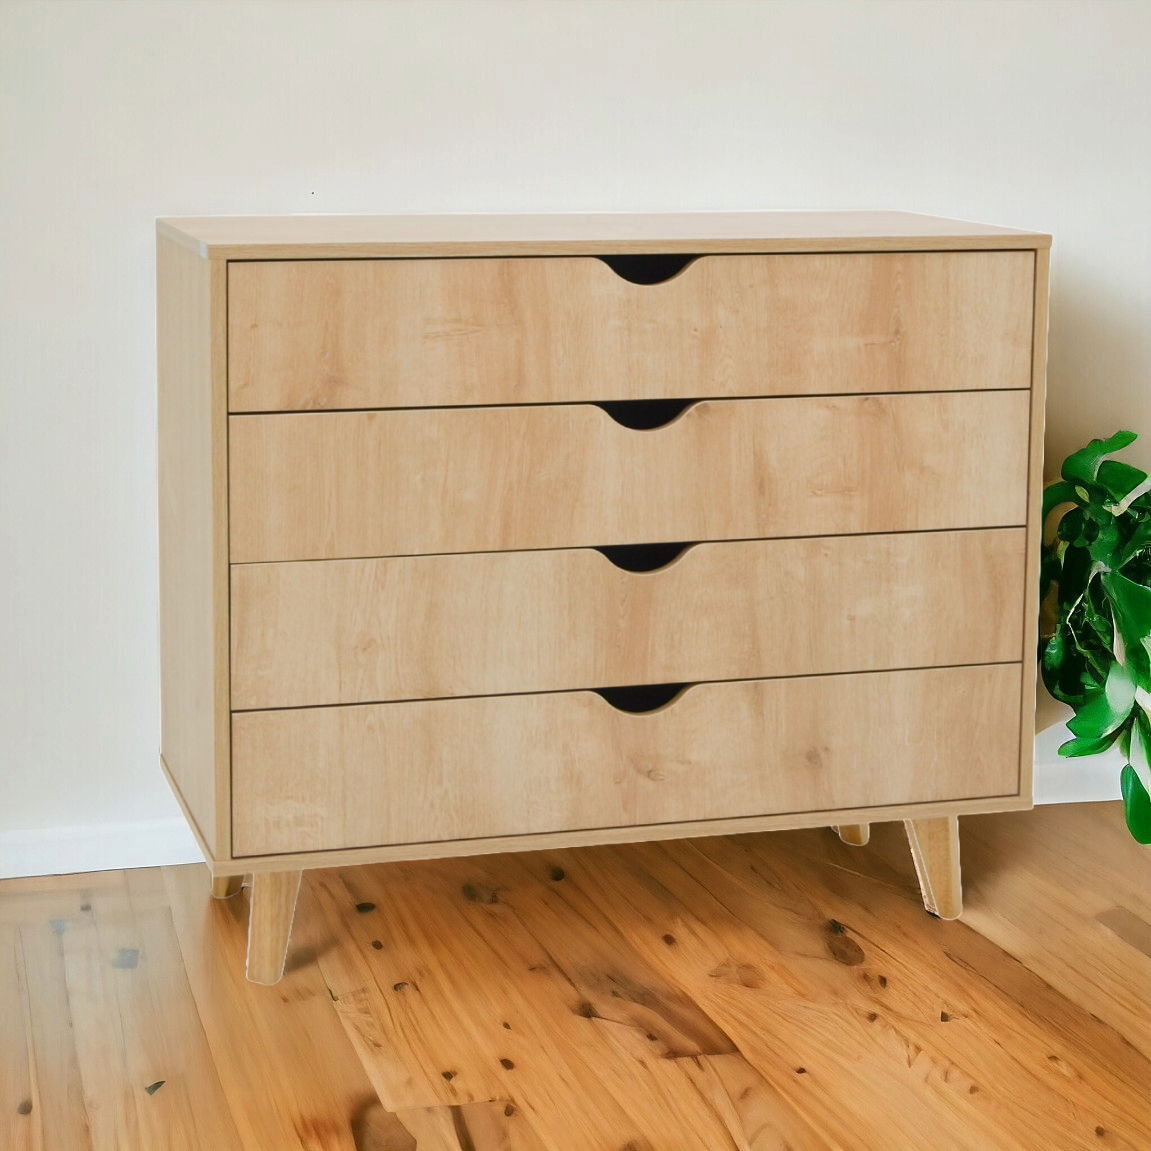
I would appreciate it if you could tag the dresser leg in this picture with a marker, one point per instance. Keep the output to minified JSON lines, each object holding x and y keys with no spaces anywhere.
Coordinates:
{"x":270,"y":923}
{"x":225,"y":886}
{"x":857,"y":834}
{"x":935,"y":849}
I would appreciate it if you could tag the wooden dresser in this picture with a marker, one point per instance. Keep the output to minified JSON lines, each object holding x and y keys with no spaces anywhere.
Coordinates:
{"x":482,"y":533}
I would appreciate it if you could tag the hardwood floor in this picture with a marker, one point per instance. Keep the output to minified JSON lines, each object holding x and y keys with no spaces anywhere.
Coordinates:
{"x":759,"y":993}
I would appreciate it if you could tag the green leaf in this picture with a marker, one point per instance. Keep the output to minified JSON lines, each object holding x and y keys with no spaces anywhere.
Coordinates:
{"x":1060,"y":492}
{"x":1140,"y":746}
{"x":1125,"y":733}
{"x":1123,"y":483}
{"x":1049,"y":566}
{"x":1095,"y":583}
{"x":1074,"y":576}
{"x":1070,"y":527}
{"x":1106,"y":542}
{"x":1098,"y":619}
{"x":1055,"y":651}
{"x":1131,"y":607}
{"x":1136,"y":805}
{"x":1107,"y":710}
{"x":1079,"y":746}
{"x":1138,"y":541}
{"x":1069,"y":674}
{"x":1083,"y":466}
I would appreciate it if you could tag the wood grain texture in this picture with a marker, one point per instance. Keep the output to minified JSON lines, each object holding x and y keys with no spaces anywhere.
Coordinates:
{"x":17,"y":1095}
{"x":115,"y":1053}
{"x":634,"y":833}
{"x":357,"y":631}
{"x":757,"y":993}
{"x":270,"y":924}
{"x":291,"y":1079}
{"x":316,"y":334}
{"x":857,"y":834}
{"x":913,"y":1044}
{"x":56,"y":1101}
{"x":1051,"y":891}
{"x":489,"y":1125}
{"x":532,"y":1014}
{"x":320,"y":237}
{"x":225,"y":886}
{"x":935,"y":852}
{"x":150,"y":1034}
{"x":1034,"y":512}
{"x":350,"y":484}
{"x":193,"y":535}
{"x":314,"y":778}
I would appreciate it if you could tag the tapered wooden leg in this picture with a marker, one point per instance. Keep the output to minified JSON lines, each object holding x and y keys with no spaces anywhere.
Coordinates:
{"x":225,"y":886}
{"x":935,"y":849}
{"x":857,"y":834}
{"x":270,"y":923}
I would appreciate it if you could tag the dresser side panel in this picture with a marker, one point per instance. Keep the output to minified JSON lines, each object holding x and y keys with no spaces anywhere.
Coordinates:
{"x":192,"y":429}
{"x":1034,"y":523}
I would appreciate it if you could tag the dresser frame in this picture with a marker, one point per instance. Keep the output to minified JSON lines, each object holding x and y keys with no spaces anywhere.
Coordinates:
{"x":194,"y":256}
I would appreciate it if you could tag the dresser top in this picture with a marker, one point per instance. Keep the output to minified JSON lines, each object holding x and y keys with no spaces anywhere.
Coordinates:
{"x":592,"y":233}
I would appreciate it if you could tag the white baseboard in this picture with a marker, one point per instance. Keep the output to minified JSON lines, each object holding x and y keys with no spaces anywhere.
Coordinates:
{"x":97,"y":847}
{"x":1058,"y":780}
{"x":1090,"y":780}
{"x":1087,"y":780}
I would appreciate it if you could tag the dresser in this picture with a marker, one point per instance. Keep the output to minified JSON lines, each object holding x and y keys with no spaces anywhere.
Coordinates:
{"x":488,"y":533}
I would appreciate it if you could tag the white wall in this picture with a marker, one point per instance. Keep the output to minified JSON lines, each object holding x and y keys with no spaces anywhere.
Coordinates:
{"x":113,"y":113}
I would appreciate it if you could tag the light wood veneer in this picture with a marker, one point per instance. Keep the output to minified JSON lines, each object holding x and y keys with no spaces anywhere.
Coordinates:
{"x":354,"y":631}
{"x":303,"y":237}
{"x":307,"y":779}
{"x":383,"y":478}
{"x":193,"y":463}
{"x":419,"y":333}
{"x":345,"y":484}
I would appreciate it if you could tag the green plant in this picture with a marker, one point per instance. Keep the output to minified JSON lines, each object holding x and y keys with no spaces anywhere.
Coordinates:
{"x":1095,"y":587}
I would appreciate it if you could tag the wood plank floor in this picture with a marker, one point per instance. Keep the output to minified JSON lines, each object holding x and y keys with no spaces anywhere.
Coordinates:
{"x":753,"y":993}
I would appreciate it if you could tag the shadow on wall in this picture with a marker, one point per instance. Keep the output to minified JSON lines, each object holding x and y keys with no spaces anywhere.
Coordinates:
{"x":1098,"y":379}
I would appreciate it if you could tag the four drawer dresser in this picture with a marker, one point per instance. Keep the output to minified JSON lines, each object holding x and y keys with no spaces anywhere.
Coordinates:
{"x":486,"y":533}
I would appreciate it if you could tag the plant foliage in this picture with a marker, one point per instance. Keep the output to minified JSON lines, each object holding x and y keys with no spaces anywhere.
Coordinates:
{"x":1095,"y":580}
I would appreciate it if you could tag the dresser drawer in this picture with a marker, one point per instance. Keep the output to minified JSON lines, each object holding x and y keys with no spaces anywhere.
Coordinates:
{"x":347,"y":484}
{"x":352,"y":631}
{"x":309,"y":334}
{"x":329,"y":778}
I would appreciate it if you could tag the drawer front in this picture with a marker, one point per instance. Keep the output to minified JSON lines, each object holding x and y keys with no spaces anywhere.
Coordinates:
{"x":327,"y":778}
{"x":353,"y":631}
{"x":312,"y":334}
{"x":348,"y":484}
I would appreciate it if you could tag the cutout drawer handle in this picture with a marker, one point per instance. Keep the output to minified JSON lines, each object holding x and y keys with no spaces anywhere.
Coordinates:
{"x":643,"y":415}
{"x":648,"y":268}
{"x":642,"y":698}
{"x":643,"y":557}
